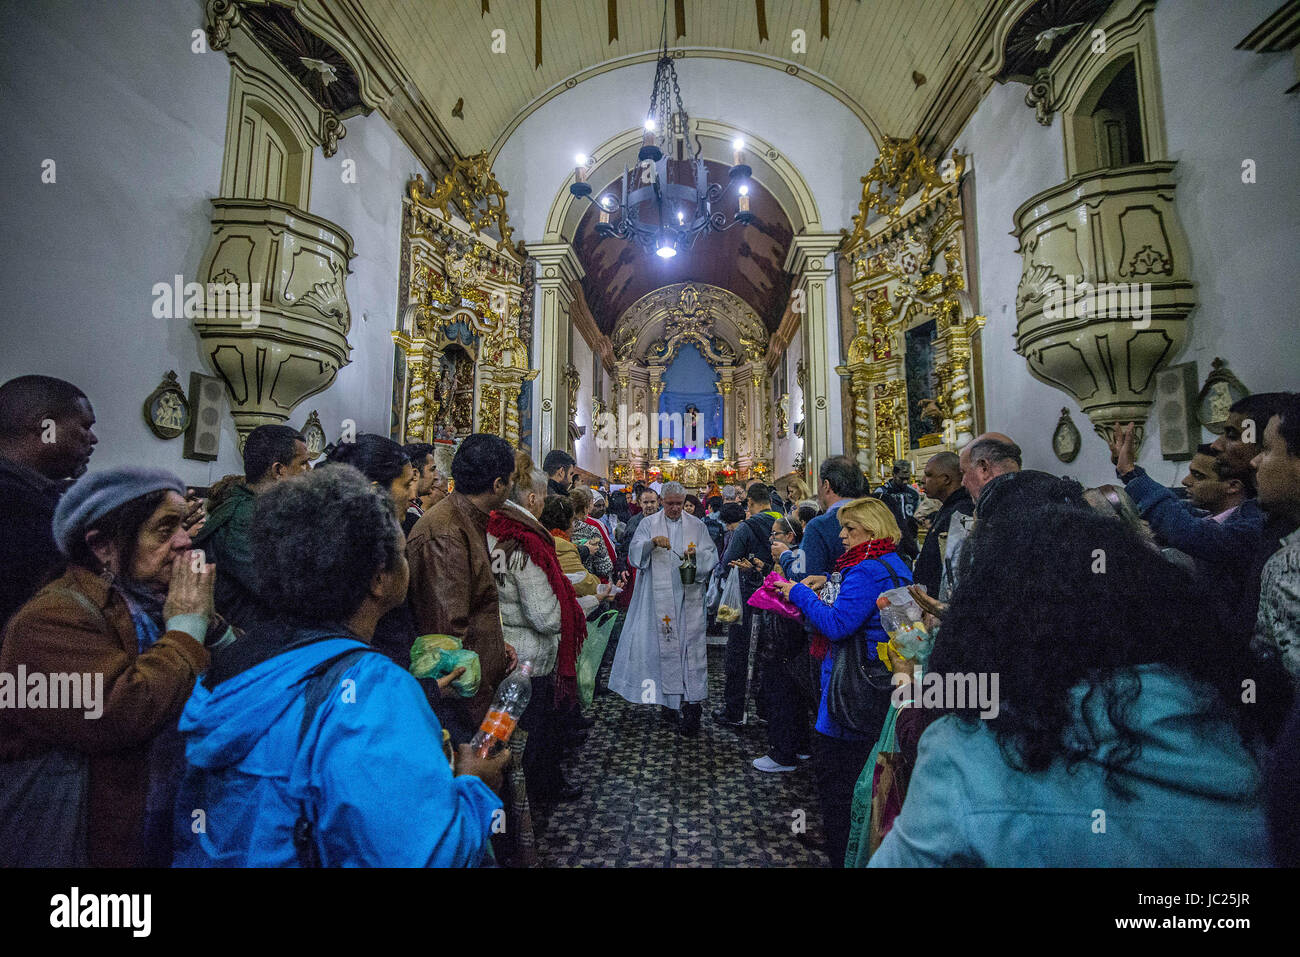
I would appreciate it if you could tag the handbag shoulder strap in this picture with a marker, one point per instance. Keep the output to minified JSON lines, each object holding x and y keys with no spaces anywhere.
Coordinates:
{"x":893,"y":576}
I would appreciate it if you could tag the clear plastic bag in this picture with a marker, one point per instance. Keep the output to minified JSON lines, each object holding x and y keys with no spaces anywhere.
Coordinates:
{"x":730,"y":605}
{"x":714,"y":594}
{"x":901,"y":617}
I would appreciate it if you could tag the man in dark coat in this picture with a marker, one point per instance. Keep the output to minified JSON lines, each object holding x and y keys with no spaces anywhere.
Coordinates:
{"x":558,"y":466}
{"x":943,"y":484}
{"x":903,"y":501}
{"x":271,"y":453}
{"x":753,"y":536}
{"x":46,"y":439}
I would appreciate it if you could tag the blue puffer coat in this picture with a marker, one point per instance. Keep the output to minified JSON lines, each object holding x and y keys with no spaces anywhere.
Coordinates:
{"x":854,"y":613}
{"x":371,"y":771}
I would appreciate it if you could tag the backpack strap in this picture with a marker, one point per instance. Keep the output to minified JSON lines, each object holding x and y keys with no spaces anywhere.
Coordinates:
{"x":320,"y":682}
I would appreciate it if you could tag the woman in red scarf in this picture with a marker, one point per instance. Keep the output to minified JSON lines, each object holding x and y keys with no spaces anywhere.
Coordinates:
{"x":846,"y":611}
{"x":541,"y":618}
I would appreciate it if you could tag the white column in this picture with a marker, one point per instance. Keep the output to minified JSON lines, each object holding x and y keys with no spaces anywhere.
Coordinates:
{"x":811,"y":259}
{"x":558,"y":268}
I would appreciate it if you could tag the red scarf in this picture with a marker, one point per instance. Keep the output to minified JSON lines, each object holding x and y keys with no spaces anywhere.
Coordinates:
{"x":540,"y":549}
{"x":819,"y":645}
{"x":873,"y":548}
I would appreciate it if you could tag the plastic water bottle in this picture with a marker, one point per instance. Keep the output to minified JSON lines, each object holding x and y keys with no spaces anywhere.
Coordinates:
{"x":901,"y":617}
{"x":511,"y":700}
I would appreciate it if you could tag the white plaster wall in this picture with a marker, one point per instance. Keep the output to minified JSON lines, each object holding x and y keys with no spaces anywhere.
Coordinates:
{"x":1221,"y":106}
{"x":371,"y":211}
{"x":136,"y":124}
{"x":585,"y":450}
{"x":822,"y":138}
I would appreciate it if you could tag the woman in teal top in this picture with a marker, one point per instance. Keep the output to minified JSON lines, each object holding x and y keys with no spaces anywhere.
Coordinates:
{"x":1119,"y":737}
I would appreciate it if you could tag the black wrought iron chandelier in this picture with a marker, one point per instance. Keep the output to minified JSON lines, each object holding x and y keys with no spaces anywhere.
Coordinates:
{"x":653,"y":211}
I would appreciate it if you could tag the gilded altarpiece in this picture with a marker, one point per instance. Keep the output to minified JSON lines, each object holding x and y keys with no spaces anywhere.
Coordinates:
{"x":734,"y":344}
{"x":462,"y":357}
{"x":910,"y":311}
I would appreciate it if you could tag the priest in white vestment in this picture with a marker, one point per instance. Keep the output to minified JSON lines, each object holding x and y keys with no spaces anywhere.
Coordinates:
{"x":662,"y":655}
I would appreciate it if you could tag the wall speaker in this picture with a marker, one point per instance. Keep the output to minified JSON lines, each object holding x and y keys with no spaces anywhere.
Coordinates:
{"x":203,"y":437}
{"x":1180,"y":429}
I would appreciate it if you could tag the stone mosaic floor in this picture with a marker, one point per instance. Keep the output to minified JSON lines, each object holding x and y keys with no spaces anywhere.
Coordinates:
{"x":655,"y":799}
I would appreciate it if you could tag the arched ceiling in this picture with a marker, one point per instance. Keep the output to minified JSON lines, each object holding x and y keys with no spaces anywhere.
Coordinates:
{"x":746,"y":260}
{"x":871,"y":59}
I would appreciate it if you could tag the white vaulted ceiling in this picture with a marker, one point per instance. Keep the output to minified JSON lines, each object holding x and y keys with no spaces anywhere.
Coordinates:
{"x":868,"y":61}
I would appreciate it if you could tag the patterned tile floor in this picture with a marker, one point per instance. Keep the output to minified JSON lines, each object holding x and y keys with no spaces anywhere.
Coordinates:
{"x":655,"y":799}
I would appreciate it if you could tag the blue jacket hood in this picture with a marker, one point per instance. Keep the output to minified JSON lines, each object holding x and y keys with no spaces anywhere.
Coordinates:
{"x":223,"y":725}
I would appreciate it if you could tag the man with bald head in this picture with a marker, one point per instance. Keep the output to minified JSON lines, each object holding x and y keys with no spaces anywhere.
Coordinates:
{"x":981,"y":461}
{"x":990,"y":455}
{"x":943,"y":484}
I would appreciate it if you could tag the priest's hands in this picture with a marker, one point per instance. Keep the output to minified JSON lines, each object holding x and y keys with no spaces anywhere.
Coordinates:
{"x":661,"y":541}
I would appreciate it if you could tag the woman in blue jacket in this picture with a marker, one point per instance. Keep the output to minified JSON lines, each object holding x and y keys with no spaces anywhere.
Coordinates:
{"x":1117,"y":735}
{"x":846,"y":611}
{"x":304,"y":744}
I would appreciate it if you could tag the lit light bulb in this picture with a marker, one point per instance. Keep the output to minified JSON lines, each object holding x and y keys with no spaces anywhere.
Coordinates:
{"x":737,"y":151}
{"x":650,"y":124}
{"x":580,"y":168}
{"x":580,"y":159}
{"x":743,"y":202}
{"x":681,"y":217}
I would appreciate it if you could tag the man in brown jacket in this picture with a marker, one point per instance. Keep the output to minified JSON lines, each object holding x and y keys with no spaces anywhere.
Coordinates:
{"x":452,"y":590}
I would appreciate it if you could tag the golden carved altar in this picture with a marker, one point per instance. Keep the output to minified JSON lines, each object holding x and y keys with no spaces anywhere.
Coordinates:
{"x":463,"y":338}
{"x":908,"y":269}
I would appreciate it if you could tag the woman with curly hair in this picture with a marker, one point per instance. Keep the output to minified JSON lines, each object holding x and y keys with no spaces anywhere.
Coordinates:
{"x":1117,"y":737}
{"x":288,"y":768}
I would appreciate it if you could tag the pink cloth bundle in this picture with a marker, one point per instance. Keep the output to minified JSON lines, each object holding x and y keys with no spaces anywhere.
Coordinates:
{"x":767,"y":598}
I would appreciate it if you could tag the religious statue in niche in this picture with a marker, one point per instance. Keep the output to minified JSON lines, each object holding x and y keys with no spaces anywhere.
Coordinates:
{"x":452,"y":397}
{"x":919,"y":369}
{"x":691,"y":427}
{"x":462,"y":399}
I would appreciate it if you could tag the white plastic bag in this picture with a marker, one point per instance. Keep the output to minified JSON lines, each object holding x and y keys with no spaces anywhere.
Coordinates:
{"x":730,"y":605}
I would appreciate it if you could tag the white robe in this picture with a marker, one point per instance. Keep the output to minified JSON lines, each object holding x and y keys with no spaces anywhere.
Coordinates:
{"x":651,"y":667}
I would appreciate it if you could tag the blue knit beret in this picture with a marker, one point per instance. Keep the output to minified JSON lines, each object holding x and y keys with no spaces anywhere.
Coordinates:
{"x":96,"y":494}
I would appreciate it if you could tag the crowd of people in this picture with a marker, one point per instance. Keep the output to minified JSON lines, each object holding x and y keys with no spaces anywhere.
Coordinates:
{"x":238,"y":676}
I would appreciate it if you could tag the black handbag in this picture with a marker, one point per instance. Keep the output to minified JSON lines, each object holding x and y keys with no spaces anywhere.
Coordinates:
{"x":860,"y":686}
